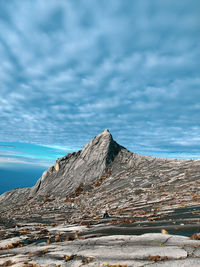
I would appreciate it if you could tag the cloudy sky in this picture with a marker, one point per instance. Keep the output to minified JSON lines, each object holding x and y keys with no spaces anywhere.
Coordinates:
{"x":71,"y":68}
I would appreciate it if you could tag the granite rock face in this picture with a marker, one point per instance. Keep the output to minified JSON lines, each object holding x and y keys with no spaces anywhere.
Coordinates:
{"x":105,"y":175}
{"x":82,"y":167}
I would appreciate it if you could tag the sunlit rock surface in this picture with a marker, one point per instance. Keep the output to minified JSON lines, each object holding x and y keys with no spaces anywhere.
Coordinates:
{"x":141,"y":194}
{"x":65,"y":245}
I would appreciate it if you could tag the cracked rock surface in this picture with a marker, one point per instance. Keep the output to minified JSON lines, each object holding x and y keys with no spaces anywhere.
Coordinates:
{"x":59,"y":220}
{"x":64,"y":245}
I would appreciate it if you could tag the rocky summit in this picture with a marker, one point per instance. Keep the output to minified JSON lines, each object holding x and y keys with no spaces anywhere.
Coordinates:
{"x":142,"y":196}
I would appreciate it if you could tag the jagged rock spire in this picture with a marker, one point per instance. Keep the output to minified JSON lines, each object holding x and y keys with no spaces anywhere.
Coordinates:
{"x":85,"y":166}
{"x":101,"y":148}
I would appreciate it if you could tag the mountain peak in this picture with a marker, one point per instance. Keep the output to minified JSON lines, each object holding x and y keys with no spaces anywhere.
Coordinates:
{"x":103,"y":145}
{"x":106,"y":132}
{"x":100,"y":144}
{"x":82,"y":167}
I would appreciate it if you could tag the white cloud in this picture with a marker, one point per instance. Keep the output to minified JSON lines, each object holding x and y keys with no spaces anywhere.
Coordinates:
{"x":8,"y":161}
{"x":80,"y":66}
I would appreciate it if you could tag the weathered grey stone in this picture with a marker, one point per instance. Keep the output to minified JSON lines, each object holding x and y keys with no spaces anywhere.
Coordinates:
{"x":150,"y":238}
{"x":191,"y":262}
{"x":145,"y":239}
{"x":130,"y":250}
{"x":197,"y":252}
{"x":182,"y":240}
{"x":133,"y":252}
{"x":190,"y":250}
{"x":129,"y":263}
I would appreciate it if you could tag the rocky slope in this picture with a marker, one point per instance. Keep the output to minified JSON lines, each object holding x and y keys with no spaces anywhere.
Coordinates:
{"x":105,"y":175}
{"x":58,"y":222}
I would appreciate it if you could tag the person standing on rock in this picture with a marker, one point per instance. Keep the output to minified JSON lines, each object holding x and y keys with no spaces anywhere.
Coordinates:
{"x":106,"y":215}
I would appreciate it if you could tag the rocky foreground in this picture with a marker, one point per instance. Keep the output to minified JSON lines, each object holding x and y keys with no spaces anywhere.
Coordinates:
{"x":97,"y":245}
{"x":142,"y":194}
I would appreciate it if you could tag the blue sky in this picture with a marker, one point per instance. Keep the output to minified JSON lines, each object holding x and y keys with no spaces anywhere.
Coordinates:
{"x":70,"y":69}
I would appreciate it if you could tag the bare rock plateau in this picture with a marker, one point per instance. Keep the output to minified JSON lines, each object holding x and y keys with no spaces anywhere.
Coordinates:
{"x":153,"y":206}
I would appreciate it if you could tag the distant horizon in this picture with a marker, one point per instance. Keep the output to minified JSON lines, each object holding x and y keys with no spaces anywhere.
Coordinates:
{"x":13,"y":178}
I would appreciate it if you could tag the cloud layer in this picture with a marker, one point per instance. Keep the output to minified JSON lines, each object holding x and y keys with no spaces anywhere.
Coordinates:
{"x":70,"y":69}
{"x":13,"y":153}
